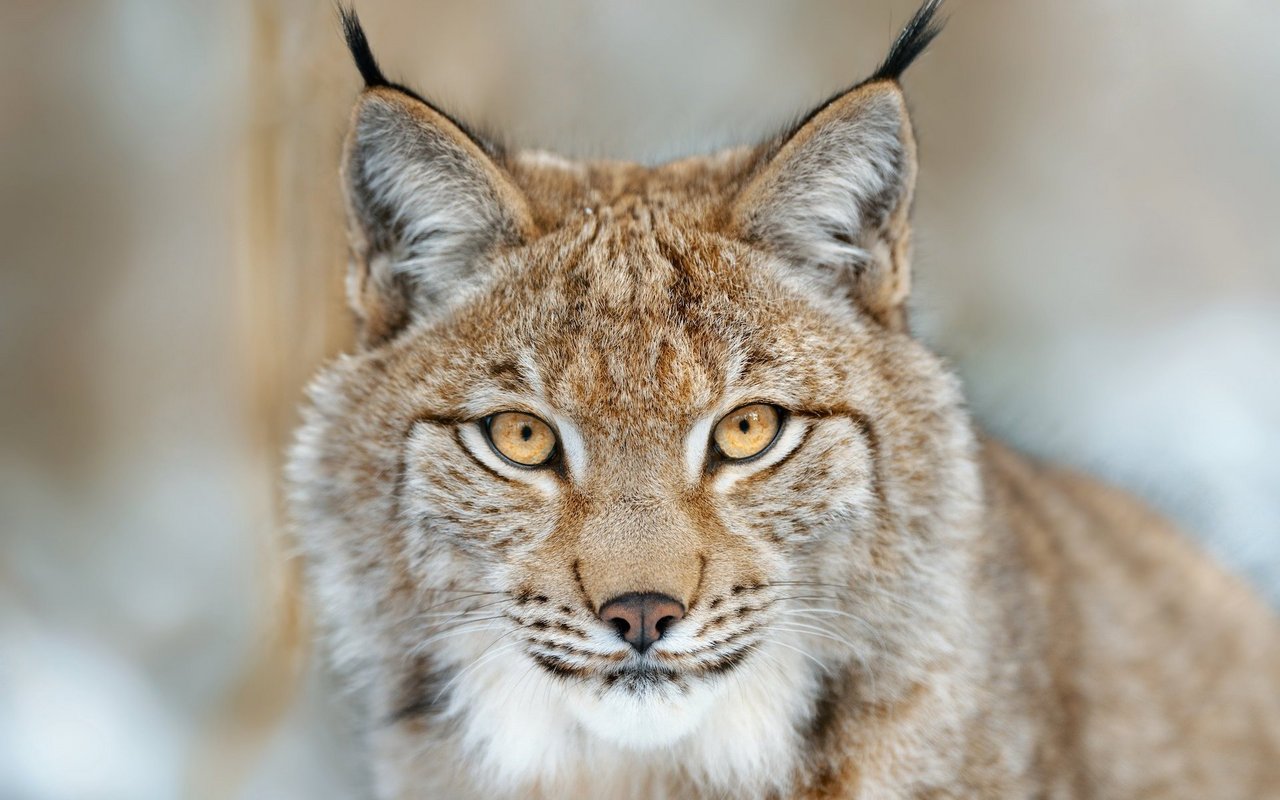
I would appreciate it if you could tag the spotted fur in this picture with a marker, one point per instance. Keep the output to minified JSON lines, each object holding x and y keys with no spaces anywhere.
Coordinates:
{"x":882,"y":605}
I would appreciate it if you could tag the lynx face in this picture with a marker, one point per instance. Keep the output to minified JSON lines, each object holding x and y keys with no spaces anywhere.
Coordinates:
{"x":635,"y":562}
{"x":631,"y":457}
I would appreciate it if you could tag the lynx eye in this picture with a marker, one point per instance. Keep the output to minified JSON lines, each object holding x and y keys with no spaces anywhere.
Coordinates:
{"x":747,"y":431}
{"x":521,"y":438}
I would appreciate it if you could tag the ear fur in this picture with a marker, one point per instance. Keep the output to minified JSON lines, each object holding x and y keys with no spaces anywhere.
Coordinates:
{"x":833,"y":195}
{"x":426,"y":202}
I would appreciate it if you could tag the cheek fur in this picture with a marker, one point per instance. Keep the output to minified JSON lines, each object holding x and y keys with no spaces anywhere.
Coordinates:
{"x":831,"y":477}
{"x":446,"y":491}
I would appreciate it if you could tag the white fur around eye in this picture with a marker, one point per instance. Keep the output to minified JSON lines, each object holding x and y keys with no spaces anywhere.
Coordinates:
{"x":474,"y":440}
{"x":696,"y":446}
{"x":575,"y":450}
{"x":789,"y":438}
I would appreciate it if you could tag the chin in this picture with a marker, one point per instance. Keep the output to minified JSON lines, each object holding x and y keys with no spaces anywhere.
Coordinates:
{"x":611,"y":727}
{"x":644,"y":709}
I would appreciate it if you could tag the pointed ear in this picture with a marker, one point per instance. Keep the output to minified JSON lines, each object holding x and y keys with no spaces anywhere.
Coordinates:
{"x":833,"y":195}
{"x":426,"y":200}
{"x":834,"y":200}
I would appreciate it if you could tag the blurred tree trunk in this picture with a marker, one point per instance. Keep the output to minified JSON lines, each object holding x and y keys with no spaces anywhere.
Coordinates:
{"x":292,"y":258}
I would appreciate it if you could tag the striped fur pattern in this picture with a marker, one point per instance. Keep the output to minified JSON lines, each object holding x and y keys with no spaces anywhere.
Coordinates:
{"x":880,"y":605}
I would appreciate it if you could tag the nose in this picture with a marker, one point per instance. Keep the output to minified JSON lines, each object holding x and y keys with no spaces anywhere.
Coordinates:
{"x":642,"y":618}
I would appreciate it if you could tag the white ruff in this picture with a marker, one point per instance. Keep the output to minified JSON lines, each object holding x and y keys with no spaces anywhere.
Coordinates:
{"x":522,"y":728}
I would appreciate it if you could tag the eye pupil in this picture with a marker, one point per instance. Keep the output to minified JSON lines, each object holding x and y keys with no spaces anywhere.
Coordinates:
{"x":526,"y":432}
{"x":744,"y":426}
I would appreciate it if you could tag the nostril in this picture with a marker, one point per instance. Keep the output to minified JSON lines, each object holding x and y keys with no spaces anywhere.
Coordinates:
{"x":620,"y":625}
{"x":664,"y":623}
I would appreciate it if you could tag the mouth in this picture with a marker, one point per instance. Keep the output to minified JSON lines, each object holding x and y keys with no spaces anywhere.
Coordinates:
{"x":639,"y":674}
{"x":633,"y":672}
{"x":641,"y":678}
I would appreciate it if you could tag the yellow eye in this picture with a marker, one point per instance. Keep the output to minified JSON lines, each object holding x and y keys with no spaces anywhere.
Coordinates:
{"x":522,"y":438}
{"x":747,"y":431}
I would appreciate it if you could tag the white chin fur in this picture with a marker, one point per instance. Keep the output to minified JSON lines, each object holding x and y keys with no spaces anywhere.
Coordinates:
{"x":647,"y":720}
{"x":522,"y":728}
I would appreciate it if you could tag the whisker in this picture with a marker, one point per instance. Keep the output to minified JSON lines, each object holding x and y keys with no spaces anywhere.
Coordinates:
{"x":449,"y":600}
{"x":434,"y":590}
{"x":468,"y":627}
{"x":441,"y":628}
{"x":484,"y":657}
{"x":472,"y":610}
{"x":851,"y":591}
{"x":836,"y":612}
{"x":814,"y":630}
{"x":461,"y":615}
{"x":821,"y":665}
{"x":515,"y":688}
{"x":817,"y":610}
{"x":862,"y":662}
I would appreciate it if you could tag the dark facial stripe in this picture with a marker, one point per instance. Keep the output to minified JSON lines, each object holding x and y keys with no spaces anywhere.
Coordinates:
{"x":582,"y":590}
{"x":697,"y":589}
{"x":822,"y":726}
{"x":557,"y":667}
{"x":729,"y":661}
{"x":560,"y":648}
{"x":423,"y":692}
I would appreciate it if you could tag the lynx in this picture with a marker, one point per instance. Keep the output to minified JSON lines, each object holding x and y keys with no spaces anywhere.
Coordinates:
{"x":637,"y":485}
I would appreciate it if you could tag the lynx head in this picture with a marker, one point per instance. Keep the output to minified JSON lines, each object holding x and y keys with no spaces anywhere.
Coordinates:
{"x":631,"y":459}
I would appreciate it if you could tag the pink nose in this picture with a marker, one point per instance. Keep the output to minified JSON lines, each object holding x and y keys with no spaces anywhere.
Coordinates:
{"x":642,"y":618}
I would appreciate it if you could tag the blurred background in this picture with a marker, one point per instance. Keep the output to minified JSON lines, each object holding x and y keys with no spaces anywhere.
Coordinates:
{"x":1098,"y":252}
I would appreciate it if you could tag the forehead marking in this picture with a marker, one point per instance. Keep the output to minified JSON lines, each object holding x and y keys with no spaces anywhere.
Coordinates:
{"x":509,"y":376}
{"x":529,"y":369}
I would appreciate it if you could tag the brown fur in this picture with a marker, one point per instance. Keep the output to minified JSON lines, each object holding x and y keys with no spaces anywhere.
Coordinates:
{"x":1008,"y":629}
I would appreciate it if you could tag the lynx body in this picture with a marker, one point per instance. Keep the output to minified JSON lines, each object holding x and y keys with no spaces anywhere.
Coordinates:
{"x":875,"y":603}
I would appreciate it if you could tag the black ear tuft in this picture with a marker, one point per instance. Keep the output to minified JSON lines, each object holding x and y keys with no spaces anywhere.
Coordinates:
{"x":358,"y":44}
{"x":362,"y":54}
{"x":913,"y":40}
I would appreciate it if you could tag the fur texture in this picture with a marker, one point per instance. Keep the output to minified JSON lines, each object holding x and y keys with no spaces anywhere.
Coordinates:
{"x":880,"y":605}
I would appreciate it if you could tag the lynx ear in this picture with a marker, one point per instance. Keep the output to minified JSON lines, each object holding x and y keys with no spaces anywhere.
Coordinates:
{"x":426,"y":201}
{"x":833,"y":195}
